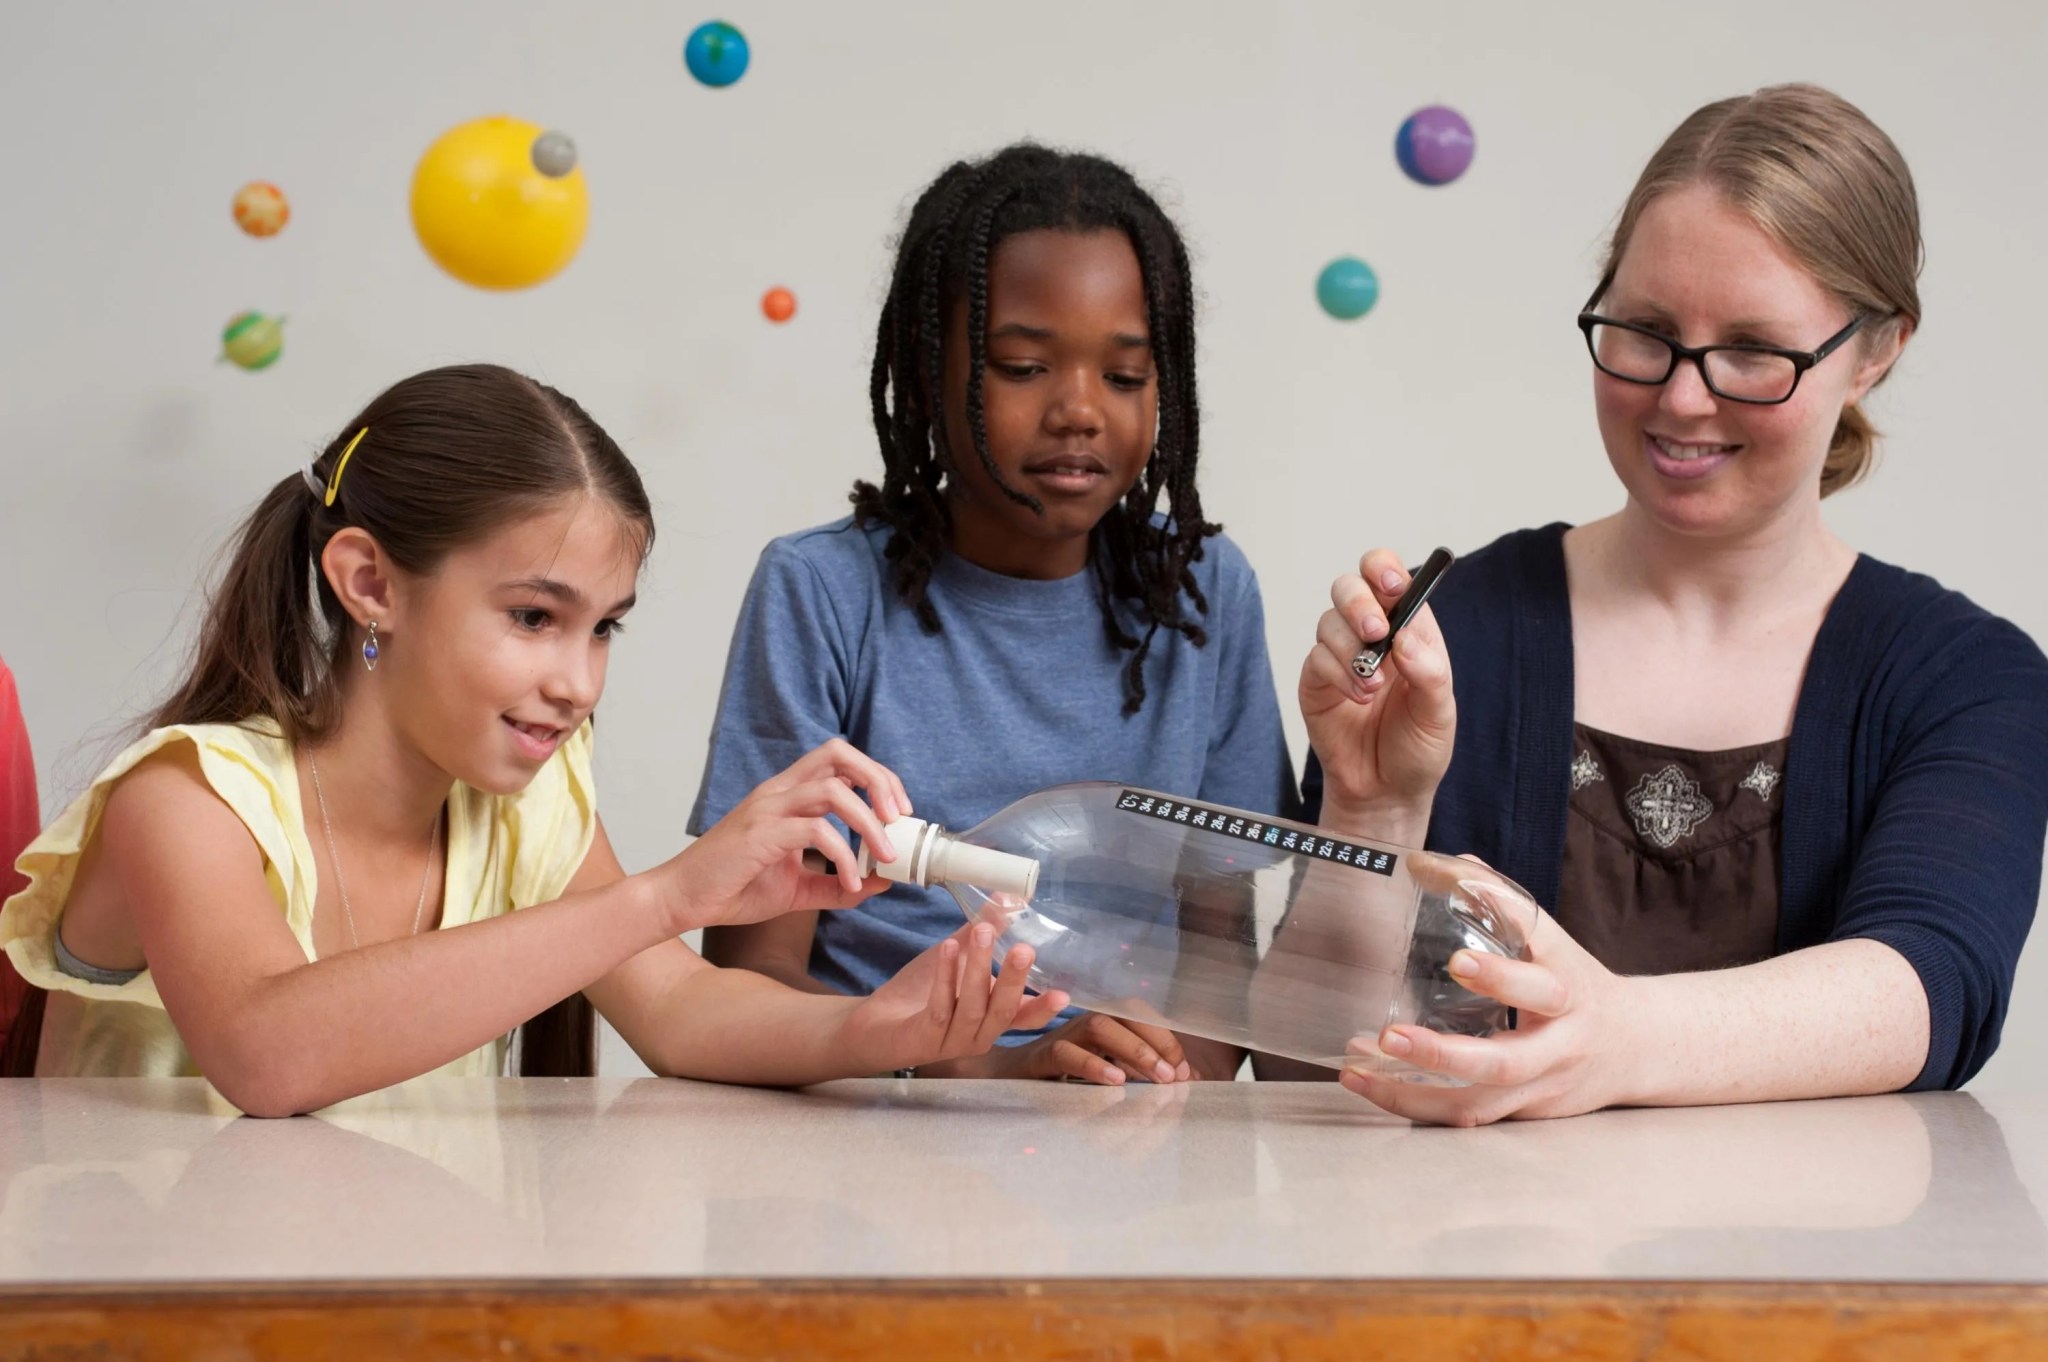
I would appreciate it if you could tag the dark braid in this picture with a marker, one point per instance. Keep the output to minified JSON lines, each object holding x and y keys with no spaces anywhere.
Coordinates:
{"x":1144,"y":570}
{"x":907,"y":342}
{"x":979,"y":249}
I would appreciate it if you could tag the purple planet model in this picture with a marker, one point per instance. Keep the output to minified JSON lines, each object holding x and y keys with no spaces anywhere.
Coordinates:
{"x":1434,"y":145}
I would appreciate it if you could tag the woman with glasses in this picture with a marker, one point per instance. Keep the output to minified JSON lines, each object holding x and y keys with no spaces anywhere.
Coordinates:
{"x":1786,"y":803}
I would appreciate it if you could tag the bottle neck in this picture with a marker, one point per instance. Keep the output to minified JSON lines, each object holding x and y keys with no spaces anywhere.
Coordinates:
{"x":994,"y":872}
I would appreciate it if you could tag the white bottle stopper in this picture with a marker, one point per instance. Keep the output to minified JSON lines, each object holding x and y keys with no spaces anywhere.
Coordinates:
{"x":996,"y":872}
{"x":926,"y":855}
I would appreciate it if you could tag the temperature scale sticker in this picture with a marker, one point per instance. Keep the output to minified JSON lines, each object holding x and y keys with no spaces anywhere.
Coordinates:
{"x":1279,"y":836}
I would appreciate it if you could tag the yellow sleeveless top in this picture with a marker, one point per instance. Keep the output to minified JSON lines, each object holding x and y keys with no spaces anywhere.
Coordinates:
{"x":504,"y":852}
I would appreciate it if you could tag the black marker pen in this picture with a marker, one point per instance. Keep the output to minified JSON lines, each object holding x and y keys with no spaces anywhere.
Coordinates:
{"x":1372,"y":654}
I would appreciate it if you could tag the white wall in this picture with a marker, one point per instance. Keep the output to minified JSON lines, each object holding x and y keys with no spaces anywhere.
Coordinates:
{"x":1456,"y":411}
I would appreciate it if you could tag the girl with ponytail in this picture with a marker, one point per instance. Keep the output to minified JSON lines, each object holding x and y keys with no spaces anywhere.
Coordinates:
{"x":1786,"y":801}
{"x":360,"y":841}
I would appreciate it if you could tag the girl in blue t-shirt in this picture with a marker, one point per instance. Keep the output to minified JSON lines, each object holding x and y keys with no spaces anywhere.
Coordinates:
{"x":1012,"y":606}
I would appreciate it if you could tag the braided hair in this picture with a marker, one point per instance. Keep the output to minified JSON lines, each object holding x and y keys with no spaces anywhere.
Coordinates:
{"x":1143,"y":567}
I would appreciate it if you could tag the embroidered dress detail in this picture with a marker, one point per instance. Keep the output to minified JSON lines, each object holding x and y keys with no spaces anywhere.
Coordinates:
{"x":1585,"y":771}
{"x":1761,"y":780}
{"x":1667,"y":806}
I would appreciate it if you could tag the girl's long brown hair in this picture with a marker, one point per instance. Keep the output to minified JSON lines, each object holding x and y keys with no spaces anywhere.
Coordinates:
{"x":452,"y":455}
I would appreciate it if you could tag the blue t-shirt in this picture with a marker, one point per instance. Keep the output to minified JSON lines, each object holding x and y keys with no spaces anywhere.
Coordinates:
{"x":1021,"y":689}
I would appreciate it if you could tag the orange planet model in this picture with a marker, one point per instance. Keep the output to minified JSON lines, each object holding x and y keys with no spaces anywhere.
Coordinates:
{"x":261,"y":208}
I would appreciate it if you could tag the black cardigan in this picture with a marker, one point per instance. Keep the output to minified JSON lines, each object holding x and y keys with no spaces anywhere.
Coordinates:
{"x":1916,"y":790}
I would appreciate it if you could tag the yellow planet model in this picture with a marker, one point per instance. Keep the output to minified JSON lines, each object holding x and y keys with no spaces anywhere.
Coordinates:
{"x":487,"y":214}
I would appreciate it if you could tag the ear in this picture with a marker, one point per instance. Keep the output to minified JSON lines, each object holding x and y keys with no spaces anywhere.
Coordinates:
{"x":1882,"y":352}
{"x":363,"y":578}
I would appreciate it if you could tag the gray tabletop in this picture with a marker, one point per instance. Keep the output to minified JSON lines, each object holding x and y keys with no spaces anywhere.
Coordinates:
{"x":143,"y":1180}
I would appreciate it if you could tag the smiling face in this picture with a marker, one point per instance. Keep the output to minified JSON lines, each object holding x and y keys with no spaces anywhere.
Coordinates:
{"x":505,"y":645}
{"x":1070,"y":400}
{"x":1700,"y":271}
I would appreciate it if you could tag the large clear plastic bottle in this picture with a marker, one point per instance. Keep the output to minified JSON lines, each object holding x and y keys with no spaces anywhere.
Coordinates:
{"x":1217,"y":922}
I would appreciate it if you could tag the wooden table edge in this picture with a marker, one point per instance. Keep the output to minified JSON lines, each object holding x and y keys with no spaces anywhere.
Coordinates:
{"x":1302,"y":1320}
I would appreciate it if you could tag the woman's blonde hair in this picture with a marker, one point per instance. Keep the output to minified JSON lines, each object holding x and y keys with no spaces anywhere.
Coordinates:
{"x":1830,"y":188}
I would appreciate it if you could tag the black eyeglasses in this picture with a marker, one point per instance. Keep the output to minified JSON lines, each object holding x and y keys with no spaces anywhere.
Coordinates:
{"x":1763,"y":375}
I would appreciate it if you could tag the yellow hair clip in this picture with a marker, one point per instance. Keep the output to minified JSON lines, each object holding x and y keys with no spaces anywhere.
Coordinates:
{"x":341,"y":464}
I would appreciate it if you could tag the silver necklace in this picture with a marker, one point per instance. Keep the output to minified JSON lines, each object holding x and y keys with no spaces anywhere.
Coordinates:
{"x":341,"y":884}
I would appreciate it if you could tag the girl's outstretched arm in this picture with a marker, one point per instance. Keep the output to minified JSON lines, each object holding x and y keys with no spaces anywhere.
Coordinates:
{"x":278,"y":1034}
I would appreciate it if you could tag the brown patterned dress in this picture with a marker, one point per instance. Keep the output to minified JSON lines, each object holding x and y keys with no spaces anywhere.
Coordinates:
{"x":1671,"y":856}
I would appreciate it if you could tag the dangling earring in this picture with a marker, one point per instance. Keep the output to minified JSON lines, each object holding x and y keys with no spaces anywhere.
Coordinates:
{"x":370,"y":649}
